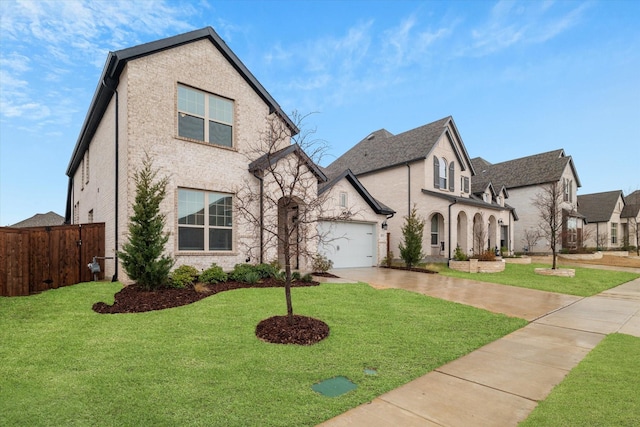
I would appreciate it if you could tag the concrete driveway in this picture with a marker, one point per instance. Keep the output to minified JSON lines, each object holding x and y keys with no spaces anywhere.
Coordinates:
{"x":502,"y":382}
{"x":524,"y":303}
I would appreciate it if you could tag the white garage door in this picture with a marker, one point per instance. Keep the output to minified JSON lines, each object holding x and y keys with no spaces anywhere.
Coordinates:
{"x":349,"y":244}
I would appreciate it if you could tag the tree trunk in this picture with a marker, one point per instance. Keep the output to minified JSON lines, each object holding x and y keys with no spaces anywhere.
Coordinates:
{"x":287,"y":271}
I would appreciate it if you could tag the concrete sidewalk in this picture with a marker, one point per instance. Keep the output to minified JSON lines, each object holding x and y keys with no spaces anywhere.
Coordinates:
{"x":500,"y":383}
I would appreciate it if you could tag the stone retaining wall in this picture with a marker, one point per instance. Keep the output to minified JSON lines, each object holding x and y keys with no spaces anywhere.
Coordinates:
{"x":519,"y":260}
{"x":475,"y":266}
{"x":596,"y":255}
{"x":563,"y":272}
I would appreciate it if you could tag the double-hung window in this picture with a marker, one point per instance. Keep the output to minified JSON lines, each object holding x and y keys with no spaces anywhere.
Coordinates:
{"x":205,"y":221}
{"x":614,"y":233}
{"x":205,"y":117}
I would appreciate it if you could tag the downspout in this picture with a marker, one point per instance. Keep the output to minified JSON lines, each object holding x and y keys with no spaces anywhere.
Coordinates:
{"x":117,"y":193}
{"x":261,"y":216}
{"x":408,"y":189}
{"x":510,"y":231}
{"x":449,"y":239}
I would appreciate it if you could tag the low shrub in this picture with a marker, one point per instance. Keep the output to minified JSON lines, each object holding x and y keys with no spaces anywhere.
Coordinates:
{"x":251,"y":277}
{"x":240,"y":271}
{"x":487,"y":255}
{"x":458,"y":255}
{"x":388,"y":260}
{"x":213,"y":275}
{"x":321,"y":264}
{"x":183,"y":276}
{"x":307,"y":278}
{"x":295,"y":275}
{"x":266,"y":271}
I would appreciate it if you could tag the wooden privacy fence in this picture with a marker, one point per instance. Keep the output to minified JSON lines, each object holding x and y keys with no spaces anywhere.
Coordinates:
{"x":41,"y":258}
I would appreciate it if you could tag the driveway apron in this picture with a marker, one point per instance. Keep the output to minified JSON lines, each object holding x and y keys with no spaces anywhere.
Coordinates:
{"x":500,"y":383}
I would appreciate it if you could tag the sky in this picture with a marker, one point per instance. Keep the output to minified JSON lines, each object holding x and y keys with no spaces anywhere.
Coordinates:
{"x":518,"y":77}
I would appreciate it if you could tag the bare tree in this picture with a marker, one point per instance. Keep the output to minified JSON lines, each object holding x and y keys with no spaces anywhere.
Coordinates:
{"x":285,"y":207}
{"x":479,"y":236}
{"x":531,"y":237}
{"x":602,"y":240}
{"x":549,"y":205}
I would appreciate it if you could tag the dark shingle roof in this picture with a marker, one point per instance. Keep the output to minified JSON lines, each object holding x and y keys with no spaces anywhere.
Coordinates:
{"x":269,"y":159}
{"x":48,"y":219}
{"x":532,"y":170}
{"x":598,"y":207}
{"x":116,"y":61}
{"x":377,"y":206}
{"x":632,"y":205}
{"x":382,"y":149}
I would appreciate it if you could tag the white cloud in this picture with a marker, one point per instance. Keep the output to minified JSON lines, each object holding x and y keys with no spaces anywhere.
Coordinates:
{"x":512,"y":23}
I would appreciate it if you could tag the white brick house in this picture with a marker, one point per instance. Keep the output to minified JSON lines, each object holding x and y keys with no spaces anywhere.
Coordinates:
{"x":429,"y":168}
{"x":192,"y":105}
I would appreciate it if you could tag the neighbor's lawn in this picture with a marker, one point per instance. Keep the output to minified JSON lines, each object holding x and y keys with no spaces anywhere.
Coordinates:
{"x":587,"y":281}
{"x":603,"y":390}
{"x":63,"y":364}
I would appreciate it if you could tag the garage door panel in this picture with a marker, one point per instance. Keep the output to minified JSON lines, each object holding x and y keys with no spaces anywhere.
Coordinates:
{"x":349,"y":244}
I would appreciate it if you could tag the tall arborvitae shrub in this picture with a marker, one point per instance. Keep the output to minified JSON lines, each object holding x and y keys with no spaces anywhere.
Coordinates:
{"x":142,"y":256}
{"x":411,"y":246}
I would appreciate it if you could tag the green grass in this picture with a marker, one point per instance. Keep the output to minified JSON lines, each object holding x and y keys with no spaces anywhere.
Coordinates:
{"x":201,"y":364}
{"x":603,"y":390}
{"x":586,"y":282}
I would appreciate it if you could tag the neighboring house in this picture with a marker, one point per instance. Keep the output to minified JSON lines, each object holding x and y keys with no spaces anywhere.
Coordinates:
{"x":524,"y":179}
{"x":630,"y":218}
{"x":362,"y":240}
{"x":192,"y":106}
{"x":602,"y":211}
{"x":429,"y":168}
{"x":48,"y":219}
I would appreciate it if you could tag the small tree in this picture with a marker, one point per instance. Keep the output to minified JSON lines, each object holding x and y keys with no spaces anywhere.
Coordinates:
{"x":479,"y":237}
{"x":602,"y":240}
{"x":412,"y":231}
{"x":531,"y":238}
{"x":549,"y":205}
{"x":142,"y":256}
{"x":286,"y":214}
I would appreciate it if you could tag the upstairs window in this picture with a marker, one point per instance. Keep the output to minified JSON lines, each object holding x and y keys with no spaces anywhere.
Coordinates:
{"x":568,"y":189}
{"x":443,"y":172}
{"x":343,"y":200}
{"x":205,"y":117}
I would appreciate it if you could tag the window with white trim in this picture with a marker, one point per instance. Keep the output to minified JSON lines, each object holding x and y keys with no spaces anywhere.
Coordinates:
{"x":205,"y":117}
{"x":205,"y":221}
{"x":614,"y":233}
{"x":443,"y":173}
{"x":343,"y":200}
{"x":434,"y":230}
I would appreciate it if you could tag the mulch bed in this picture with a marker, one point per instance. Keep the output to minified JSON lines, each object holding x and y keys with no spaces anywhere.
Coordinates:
{"x":303,"y":331}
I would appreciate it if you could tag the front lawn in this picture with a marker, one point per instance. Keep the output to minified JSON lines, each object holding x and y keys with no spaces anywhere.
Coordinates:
{"x":586,"y":282}
{"x":603,"y":390}
{"x":201,"y":364}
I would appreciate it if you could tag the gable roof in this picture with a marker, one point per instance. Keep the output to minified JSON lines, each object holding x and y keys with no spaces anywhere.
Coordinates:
{"x":632,"y":205}
{"x":116,"y":61}
{"x":598,"y":207}
{"x":269,"y":159}
{"x":526,"y":171}
{"x":41,"y":220}
{"x":377,"y":206}
{"x":381,"y":149}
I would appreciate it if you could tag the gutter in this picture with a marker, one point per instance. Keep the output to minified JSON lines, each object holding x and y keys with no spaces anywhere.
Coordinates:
{"x":113,"y":88}
{"x":261,"y":215}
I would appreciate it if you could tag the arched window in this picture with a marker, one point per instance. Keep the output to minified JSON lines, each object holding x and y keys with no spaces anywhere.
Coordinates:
{"x":443,"y":172}
{"x":434,"y":230}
